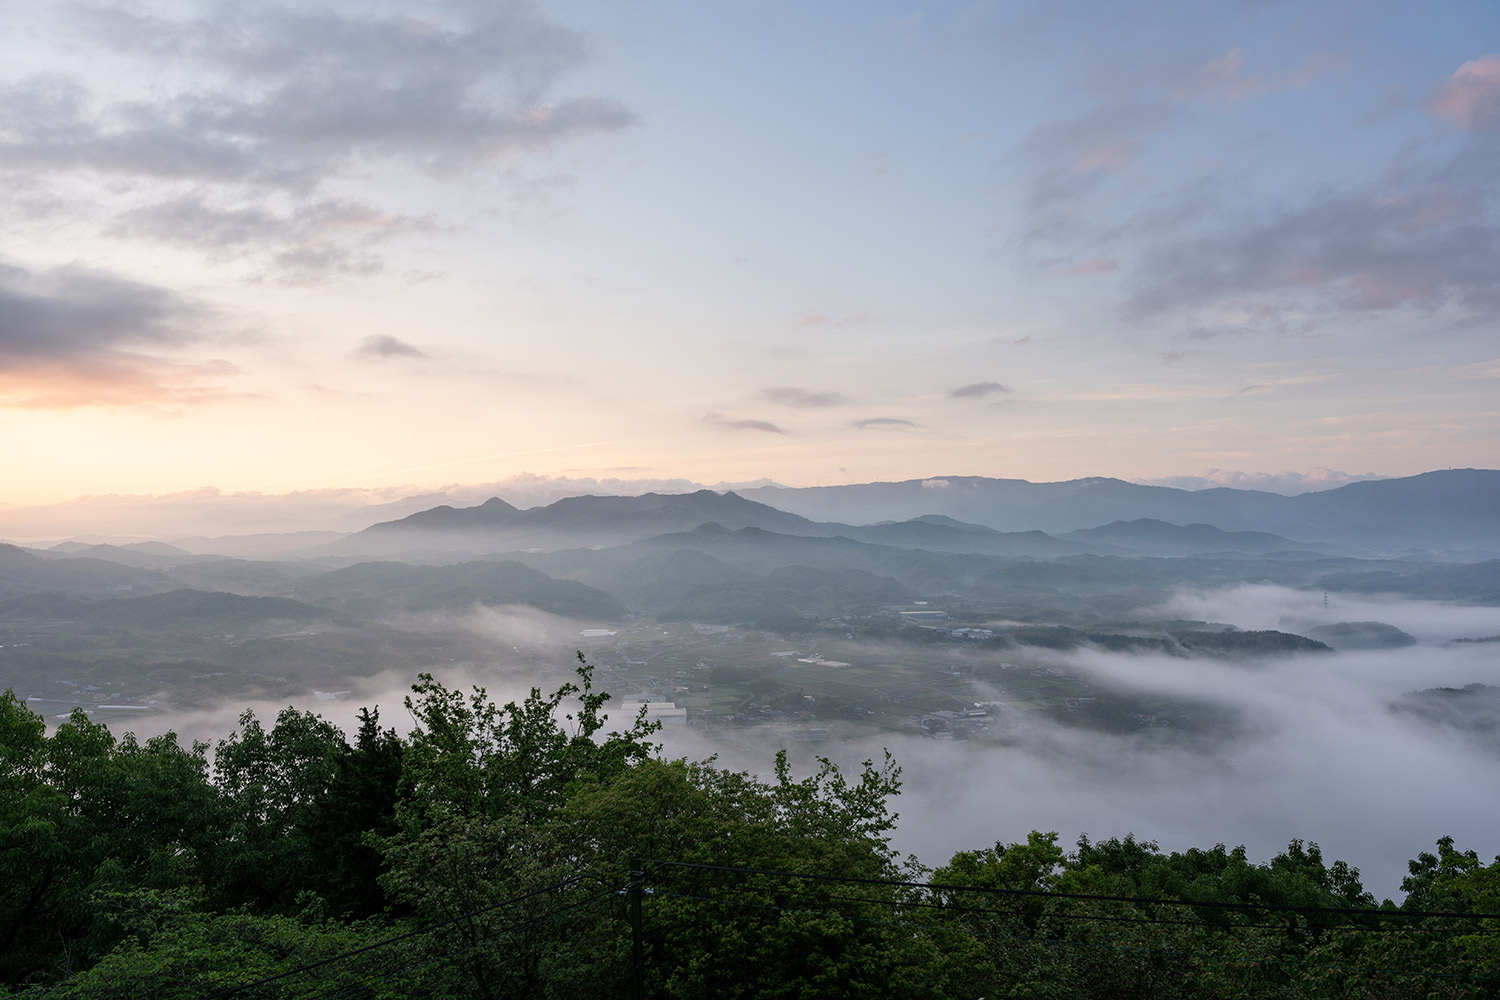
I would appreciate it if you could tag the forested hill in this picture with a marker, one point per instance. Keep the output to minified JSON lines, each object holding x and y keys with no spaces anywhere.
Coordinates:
{"x":521,"y":851}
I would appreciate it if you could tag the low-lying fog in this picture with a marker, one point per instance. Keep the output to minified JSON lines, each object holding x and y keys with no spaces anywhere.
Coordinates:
{"x":1321,"y":757}
{"x":1327,"y":762}
{"x":1318,"y":753}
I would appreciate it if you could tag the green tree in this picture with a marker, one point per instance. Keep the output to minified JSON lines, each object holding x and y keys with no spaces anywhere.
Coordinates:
{"x":344,"y":866}
{"x":80,"y":813}
{"x":170,"y":948}
{"x":481,"y":788}
{"x":738,"y":934}
{"x":272,"y":782}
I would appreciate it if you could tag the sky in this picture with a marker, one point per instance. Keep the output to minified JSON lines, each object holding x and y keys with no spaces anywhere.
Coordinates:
{"x":263,"y":246}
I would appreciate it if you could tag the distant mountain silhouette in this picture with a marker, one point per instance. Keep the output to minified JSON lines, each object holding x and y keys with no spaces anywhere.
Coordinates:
{"x":1454,"y":508}
{"x":1003,"y":504}
{"x":22,"y":572}
{"x":144,"y":555}
{"x":495,"y":526}
{"x":175,"y":609}
{"x":1457,"y":508}
{"x":490,"y":514}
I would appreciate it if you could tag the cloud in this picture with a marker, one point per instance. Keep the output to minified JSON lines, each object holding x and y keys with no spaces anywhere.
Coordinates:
{"x":1078,"y":160}
{"x":1074,"y":156}
{"x":1094,"y":265}
{"x":1282,"y":382}
{"x":73,"y":312}
{"x":258,"y":101}
{"x":380,"y":347}
{"x":1419,"y":235}
{"x":1131,"y":103}
{"x":118,"y":381}
{"x":823,"y":319}
{"x":74,"y":336}
{"x":1470,"y":98}
{"x":743,"y":425}
{"x":1224,"y":78}
{"x":977,"y":390}
{"x":1481,"y":369}
{"x":311,"y":242}
{"x":48,"y":126}
{"x":307,"y":88}
{"x":1361,"y":252}
{"x":1285,"y":483}
{"x":1199,"y":249}
{"x":805,"y":398}
{"x":878,"y":422}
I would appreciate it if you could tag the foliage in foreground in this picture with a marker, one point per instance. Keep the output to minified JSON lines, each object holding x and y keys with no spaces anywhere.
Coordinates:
{"x":488,"y":854}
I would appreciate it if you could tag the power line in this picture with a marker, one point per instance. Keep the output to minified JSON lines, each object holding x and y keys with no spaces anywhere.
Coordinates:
{"x":1236,"y":960}
{"x":1101,"y":918}
{"x":232,"y":990}
{"x":468,"y":949}
{"x":928,"y":887}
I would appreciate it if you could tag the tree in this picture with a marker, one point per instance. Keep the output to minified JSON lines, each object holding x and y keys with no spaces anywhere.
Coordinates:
{"x":742,"y":934}
{"x":272,"y":783}
{"x":82,"y":813}
{"x":481,"y":788}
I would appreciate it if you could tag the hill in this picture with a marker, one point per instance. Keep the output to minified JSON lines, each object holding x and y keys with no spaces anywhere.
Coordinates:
{"x":1148,"y":535}
{"x":176,"y":609}
{"x":1453,"y":508}
{"x":495,"y":526}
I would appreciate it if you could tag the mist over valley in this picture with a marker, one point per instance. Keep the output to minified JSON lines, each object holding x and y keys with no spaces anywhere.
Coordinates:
{"x":1194,"y":682}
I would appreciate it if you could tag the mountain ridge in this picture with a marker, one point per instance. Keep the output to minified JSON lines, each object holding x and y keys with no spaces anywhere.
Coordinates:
{"x":1447,"y":508}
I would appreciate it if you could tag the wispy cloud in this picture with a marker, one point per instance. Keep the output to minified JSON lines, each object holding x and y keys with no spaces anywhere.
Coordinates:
{"x":765,"y":426}
{"x":1094,"y":265}
{"x":121,"y":381}
{"x":805,"y":398}
{"x":1283,"y":382}
{"x":1285,"y":483}
{"x":311,"y":242}
{"x":977,"y":390}
{"x":1357,"y":252}
{"x":823,"y":319}
{"x":1470,"y":98}
{"x":384,"y":346}
{"x":879,"y":423}
{"x":1225,"y":78}
{"x":1481,"y":369}
{"x":1074,"y":156}
{"x":74,"y":336}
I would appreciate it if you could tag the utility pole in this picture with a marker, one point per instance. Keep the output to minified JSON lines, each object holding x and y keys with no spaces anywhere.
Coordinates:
{"x":637,"y":877}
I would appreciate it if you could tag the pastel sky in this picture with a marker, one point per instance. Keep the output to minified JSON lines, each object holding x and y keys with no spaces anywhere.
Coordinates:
{"x":280,"y":246}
